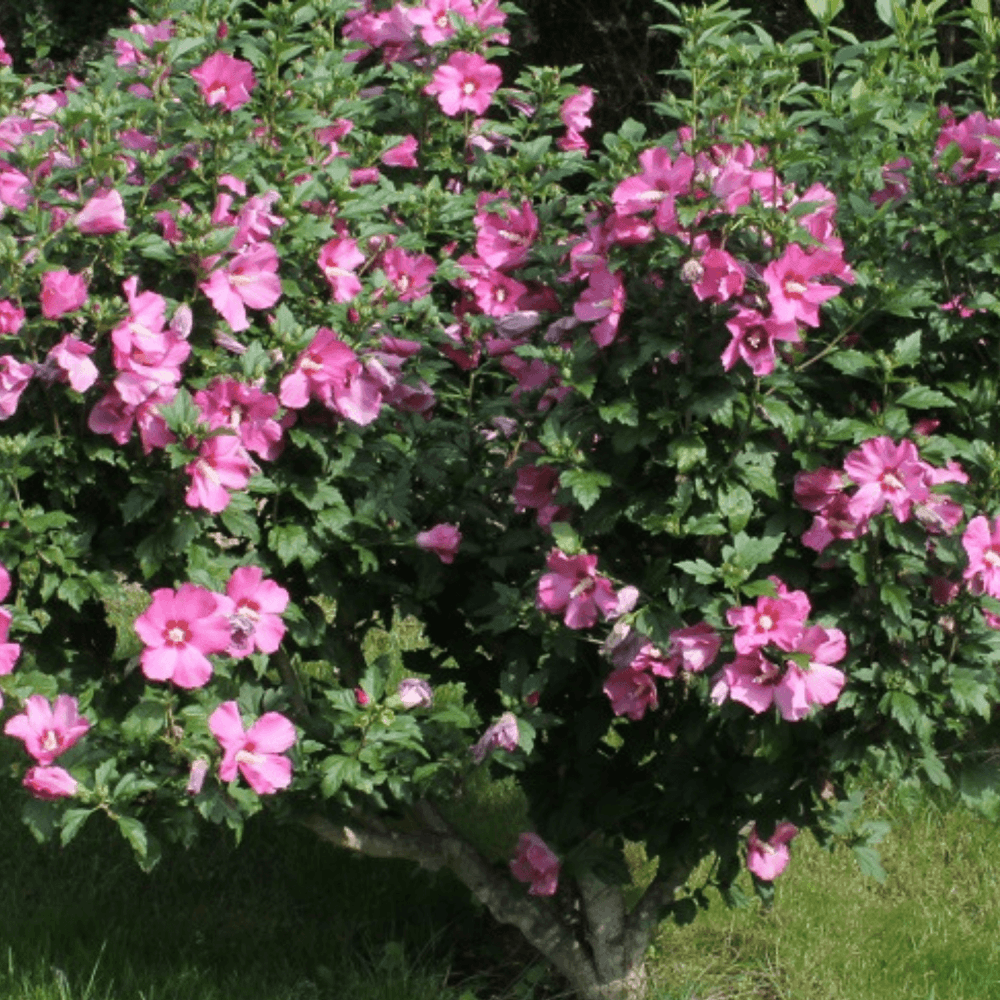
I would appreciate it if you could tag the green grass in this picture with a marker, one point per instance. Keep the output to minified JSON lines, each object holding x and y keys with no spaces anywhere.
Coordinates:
{"x":928,"y":933}
{"x":287,"y":917}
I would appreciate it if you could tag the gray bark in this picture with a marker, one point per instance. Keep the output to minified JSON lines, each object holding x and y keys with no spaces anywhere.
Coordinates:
{"x":608,"y":964}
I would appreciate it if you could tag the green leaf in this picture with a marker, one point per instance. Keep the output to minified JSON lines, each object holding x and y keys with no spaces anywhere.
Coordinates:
{"x":289,"y":542}
{"x":907,"y":351}
{"x":72,"y":820}
{"x":869,"y":861}
{"x":736,"y":504}
{"x":703,"y":572}
{"x":850,"y":362}
{"x":687,"y":452}
{"x":897,"y":597}
{"x":586,"y":485}
{"x":922,"y":398}
{"x":969,"y":692}
{"x":339,"y":770}
{"x":566,"y":538}
{"x":903,"y":707}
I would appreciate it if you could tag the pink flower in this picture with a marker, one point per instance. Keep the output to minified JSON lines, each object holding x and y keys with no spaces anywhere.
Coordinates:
{"x":196,"y":776}
{"x":574,"y":587}
{"x":434,"y":18}
{"x":257,"y":603}
{"x":896,"y":183}
{"x":329,"y":370}
{"x":753,"y":340}
{"x":574,"y":115}
{"x":792,"y":289}
{"x":466,"y":82}
{"x":778,"y":619}
{"x":11,"y":317}
{"x":887,"y":474}
{"x":982,"y":546}
{"x":247,"y":410}
{"x":603,"y":300}
{"x":225,"y":80}
{"x":694,"y":648}
{"x":443,"y":540}
{"x":249,"y":278}
{"x":179,"y":629}
{"x":258,"y":752}
{"x":409,"y":274}
{"x":14,"y":379}
{"x":631,"y":691}
{"x":534,"y":862}
{"x":403,"y":154}
{"x":222,"y":465}
{"x":656,"y":187}
{"x":47,"y":730}
{"x":715,"y":276}
{"x":337,"y":260}
{"x":767,"y":859}
{"x":62,"y":292}
{"x":415,"y":693}
{"x":502,"y":734}
{"x":103,"y":214}
{"x":504,"y":233}
{"x":71,"y":357}
{"x":49,"y":783}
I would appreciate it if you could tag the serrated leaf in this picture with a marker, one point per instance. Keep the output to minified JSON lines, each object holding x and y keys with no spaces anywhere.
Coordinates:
{"x":922,"y":398}
{"x":702,"y":571}
{"x":72,"y":820}
{"x":902,"y":707}
{"x":736,"y":505}
{"x":897,"y":597}
{"x":339,"y":770}
{"x":869,"y":861}
{"x":907,"y":351}
{"x":586,"y":485}
{"x":850,"y":362}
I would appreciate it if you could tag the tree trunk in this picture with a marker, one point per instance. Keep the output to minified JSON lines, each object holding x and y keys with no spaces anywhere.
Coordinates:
{"x":602,"y":956}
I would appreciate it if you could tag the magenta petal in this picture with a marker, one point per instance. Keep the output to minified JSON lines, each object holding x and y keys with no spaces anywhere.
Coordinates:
{"x":226,"y":726}
{"x":271,"y":733}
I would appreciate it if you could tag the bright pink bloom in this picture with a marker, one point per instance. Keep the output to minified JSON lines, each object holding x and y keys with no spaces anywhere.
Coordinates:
{"x":792,"y":290}
{"x":72,"y":358}
{"x":982,"y":546}
{"x":329,"y":370}
{"x":767,"y":859}
{"x":179,"y":629}
{"x":5,"y":57}
{"x":49,"y":783}
{"x":47,"y":730}
{"x":337,"y":260}
{"x":257,"y":605}
{"x":225,"y":80}
{"x":886,"y":474}
{"x":537,"y":487}
{"x":443,"y":540}
{"x":222,"y":465}
{"x":660,"y":182}
{"x":504,"y":233}
{"x":574,"y":115}
{"x":835,"y":521}
{"x":409,"y":274}
{"x":501,"y":734}
{"x":15,"y":188}
{"x":249,"y":411}
{"x":415,"y":693}
{"x":466,"y":82}
{"x":715,"y":276}
{"x":62,"y":292}
{"x":4,"y":582}
{"x":574,"y":587}
{"x":249,"y":278}
{"x":753,"y":340}
{"x":403,"y":154}
{"x":11,"y":317}
{"x":433,"y":18}
{"x":103,"y":214}
{"x":258,"y":752}
{"x":779,"y":619}
{"x":14,"y":378}
{"x":631,"y":691}
{"x":534,"y":862}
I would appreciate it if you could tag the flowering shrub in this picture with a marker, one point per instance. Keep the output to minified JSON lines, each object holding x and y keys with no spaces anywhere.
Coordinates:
{"x":666,"y":467}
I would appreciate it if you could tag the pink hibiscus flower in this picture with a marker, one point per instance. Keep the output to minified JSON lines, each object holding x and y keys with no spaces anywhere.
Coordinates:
{"x":534,"y":862}
{"x":466,"y":82}
{"x":62,"y":292}
{"x":500,"y":735}
{"x":250,"y":278}
{"x":982,"y":546}
{"x":258,"y":752}
{"x":222,"y":465}
{"x":179,"y":629}
{"x":225,"y":80}
{"x":103,"y":214}
{"x":47,"y":730}
{"x":257,"y":604}
{"x":767,"y":859}
{"x":574,"y":588}
{"x":49,"y":783}
{"x":443,"y":540}
{"x":631,"y":691}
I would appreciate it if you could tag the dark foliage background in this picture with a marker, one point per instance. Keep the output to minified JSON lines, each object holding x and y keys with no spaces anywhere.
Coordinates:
{"x":613,"y":40}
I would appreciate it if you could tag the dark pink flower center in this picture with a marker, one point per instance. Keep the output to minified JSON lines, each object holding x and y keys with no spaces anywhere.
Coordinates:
{"x":51,"y":741}
{"x":177,"y":633}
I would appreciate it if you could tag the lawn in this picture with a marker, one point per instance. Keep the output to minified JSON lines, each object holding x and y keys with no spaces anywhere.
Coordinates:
{"x":288,"y":918}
